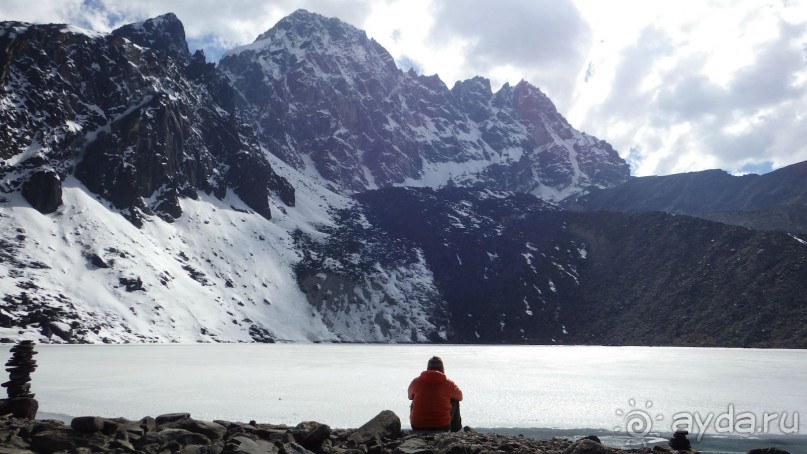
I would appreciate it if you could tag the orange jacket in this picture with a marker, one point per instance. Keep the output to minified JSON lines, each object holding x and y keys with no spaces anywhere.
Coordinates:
{"x":431,"y":395}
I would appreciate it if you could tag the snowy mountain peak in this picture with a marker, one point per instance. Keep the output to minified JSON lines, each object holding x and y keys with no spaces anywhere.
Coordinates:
{"x":165,"y":33}
{"x":305,"y":24}
{"x":304,"y":33}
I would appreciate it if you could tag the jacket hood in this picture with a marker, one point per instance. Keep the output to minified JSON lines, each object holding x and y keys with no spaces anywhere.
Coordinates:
{"x":432,"y":376}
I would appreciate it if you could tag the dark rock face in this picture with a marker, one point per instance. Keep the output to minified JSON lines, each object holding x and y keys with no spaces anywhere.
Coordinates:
{"x":142,"y":121}
{"x":322,"y":92}
{"x":705,"y":283}
{"x":43,"y":191}
{"x":509,"y":268}
{"x":164,"y":33}
{"x":501,"y":261}
{"x":774,"y":201}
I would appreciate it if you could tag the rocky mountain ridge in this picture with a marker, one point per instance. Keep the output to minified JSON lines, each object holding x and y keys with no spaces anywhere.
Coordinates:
{"x":247,"y":215}
{"x":774,"y":201}
{"x":331,"y":102}
{"x":134,"y":124}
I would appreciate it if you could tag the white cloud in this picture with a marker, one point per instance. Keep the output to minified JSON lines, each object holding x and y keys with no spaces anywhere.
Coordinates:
{"x":543,"y":41}
{"x":717,"y":84}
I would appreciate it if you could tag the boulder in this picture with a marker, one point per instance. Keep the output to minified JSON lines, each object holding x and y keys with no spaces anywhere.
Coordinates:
{"x":385,"y":425}
{"x":20,"y":407}
{"x":679,"y":440}
{"x":87,"y":424}
{"x":272,"y":434}
{"x":56,"y":440}
{"x":53,"y":441}
{"x":586,"y":446}
{"x":768,"y":451}
{"x":148,"y":424}
{"x":211,"y":430}
{"x":122,"y":446}
{"x":242,"y":444}
{"x":311,"y":434}
{"x":171,"y":417}
{"x":112,"y":427}
{"x":168,"y":436}
{"x":43,"y":191}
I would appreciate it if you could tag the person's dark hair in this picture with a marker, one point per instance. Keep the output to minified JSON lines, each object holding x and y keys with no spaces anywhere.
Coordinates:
{"x":435,"y":363}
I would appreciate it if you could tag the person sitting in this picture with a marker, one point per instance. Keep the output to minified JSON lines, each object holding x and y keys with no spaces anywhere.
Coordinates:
{"x":435,"y":400}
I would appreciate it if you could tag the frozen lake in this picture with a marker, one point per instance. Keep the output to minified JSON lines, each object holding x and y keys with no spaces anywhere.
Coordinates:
{"x":530,"y":388}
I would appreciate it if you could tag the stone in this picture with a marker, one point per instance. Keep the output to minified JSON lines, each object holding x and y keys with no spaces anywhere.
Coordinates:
{"x":459,"y":448}
{"x":385,"y":424}
{"x":20,"y":407}
{"x":271,"y":434}
{"x":167,"y":436}
{"x":171,"y":417}
{"x":148,"y":424}
{"x":592,"y":438}
{"x":110,"y":426}
{"x":244,"y":445}
{"x":196,"y":449}
{"x":98,"y":262}
{"x":586,"y":447}
{"x":211,"y":430}
{"x":311,"y":434}
{"x":294,"y":448}
{"x":19,"y":368}
{"x":56,"y":440}
{"x":768,"y":451}
{"x":124,"y":445}
{"x":413,"y":446}
{"x":679,"y":440}
{"x":87,"y":424}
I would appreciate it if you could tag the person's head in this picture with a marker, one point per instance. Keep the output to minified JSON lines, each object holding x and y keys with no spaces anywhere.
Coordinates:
{"x":435,"y":363}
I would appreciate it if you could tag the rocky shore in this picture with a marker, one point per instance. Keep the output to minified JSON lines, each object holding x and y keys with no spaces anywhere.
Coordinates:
{"x":180,"y":433}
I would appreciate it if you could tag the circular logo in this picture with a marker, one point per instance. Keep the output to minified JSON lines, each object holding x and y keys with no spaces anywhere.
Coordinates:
{"x":638,"y":423}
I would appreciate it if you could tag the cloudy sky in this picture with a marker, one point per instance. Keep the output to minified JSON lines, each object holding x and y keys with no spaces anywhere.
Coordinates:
{"x":673,"y":85}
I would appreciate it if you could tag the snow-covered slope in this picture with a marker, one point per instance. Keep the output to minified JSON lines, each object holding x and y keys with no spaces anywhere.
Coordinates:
{"x":218,"y":273}
{"x":331,"y":102}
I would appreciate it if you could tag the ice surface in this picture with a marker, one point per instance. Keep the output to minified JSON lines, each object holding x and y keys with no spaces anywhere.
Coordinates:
{"x":346,"y":385}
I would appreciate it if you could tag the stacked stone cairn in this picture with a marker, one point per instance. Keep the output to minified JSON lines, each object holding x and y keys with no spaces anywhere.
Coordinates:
{"x":20,"y":402}
{"x":679,"y":440}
